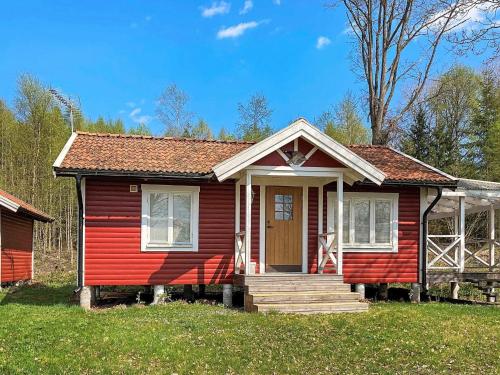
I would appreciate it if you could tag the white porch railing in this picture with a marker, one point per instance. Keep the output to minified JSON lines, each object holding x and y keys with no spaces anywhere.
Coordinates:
{"x":327,"y":250}
{"x":240,"y":252}
{"x":443,"y":252}
{"x":481,"y":253}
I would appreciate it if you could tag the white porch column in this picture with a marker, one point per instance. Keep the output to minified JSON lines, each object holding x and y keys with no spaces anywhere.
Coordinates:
{"x":340,"y":223}
{"x":461,"y":208}
{"x":492,"y":235}
{"x":248,"y":222}
{"x":237,"y":213}
{"x":320,"y":224}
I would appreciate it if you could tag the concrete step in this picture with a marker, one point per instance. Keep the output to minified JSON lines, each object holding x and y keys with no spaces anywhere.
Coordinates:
{"x":297,"y":287}
{"x":312,"y":308}
{"x":303,"y":297}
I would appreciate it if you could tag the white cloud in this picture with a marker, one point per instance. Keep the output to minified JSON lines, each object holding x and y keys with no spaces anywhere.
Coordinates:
{"x":236,"y":30}
{"x":138,"y":118}
{"x":216,"y":8}
{"x":277,"y":2}
{"x":148,"y":18}
{"x":322,"y":42}
{"x":247,"y":7}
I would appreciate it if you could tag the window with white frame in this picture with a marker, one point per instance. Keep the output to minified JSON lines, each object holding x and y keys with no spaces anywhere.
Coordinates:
{"x":169,"y":218}
{"x":370,"y":220}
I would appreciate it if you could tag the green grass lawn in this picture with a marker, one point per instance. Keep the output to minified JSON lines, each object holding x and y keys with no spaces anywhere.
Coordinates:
{"x":41,"y":333}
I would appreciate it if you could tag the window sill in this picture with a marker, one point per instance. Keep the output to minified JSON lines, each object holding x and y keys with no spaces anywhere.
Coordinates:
{"x":152,"y":249}
{"x":369,"y":249}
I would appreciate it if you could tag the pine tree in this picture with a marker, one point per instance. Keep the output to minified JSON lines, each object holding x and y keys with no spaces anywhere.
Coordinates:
{"x":201,"y":130}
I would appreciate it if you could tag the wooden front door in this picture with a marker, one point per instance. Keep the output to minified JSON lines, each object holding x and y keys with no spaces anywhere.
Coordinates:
{"x":283,"y":229}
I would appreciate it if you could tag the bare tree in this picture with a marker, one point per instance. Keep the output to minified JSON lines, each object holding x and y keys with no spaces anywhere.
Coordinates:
{"x":383,"y":31}
{"x":482,"y":31}
{"x":172,"y":111}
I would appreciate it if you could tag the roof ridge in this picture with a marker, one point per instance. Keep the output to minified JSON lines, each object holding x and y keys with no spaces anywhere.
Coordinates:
{"x":368,"y":146}
{"x":178,"y":139}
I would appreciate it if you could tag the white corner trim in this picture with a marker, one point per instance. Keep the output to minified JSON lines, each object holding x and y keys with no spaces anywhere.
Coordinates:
{"x":195,"y":214}
{"x":305,"y":228}
{"x":83,"y":187}
{"x":8,"y":204}
{"x":299,"y":128}
{"x":262,"y":229}
{"x":372,"y":247}
{"x":425,"y":164}
{"x":65,"y":150}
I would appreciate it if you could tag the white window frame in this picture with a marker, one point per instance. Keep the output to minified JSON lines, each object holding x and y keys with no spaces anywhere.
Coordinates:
{"x":146,"y":190}
{"x":391,"y":247}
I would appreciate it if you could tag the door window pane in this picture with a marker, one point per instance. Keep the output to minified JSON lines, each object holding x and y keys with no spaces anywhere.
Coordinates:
{"x":182,"y":218}
{"x":361,"y":221}
{"x":283,"y":207}
{"x":382,"y":221}
{"x":347,"y":222}
{"x":158,"y":213}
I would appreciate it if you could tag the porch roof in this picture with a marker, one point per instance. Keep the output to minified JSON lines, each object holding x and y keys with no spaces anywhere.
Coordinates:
{"x":478,"y":196}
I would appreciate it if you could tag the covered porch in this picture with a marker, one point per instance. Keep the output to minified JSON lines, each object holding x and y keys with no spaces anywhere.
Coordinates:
{"x":285,"y":233}
{"x":468,"y":248}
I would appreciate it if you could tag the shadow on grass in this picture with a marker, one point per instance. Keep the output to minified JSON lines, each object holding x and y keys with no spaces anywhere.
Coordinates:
{"x":39,"y":294}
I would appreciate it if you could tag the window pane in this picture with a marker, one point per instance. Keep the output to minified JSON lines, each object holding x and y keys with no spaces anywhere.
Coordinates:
{"x":361,"y":221}
{"x":382,"y":221}
{"x":278,"y":215}
{"x":182,"y":218}
{"x":345,"y":232}
{"x":278,"y":207}
{"x":278,"y":198}
{"x":158,"y":213}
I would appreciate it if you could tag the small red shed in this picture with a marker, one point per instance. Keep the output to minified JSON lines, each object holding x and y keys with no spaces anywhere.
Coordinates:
{"x":295,"y":213}
{"x":16,"y":237}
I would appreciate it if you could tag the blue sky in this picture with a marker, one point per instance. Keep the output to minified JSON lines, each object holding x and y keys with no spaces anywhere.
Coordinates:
{"x":117,"y":56}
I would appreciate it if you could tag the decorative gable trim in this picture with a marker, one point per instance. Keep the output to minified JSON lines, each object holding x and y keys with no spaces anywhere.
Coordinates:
{"x":299,"y":128}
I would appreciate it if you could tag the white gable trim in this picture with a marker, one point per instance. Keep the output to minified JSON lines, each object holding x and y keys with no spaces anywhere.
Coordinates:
{"x":299,"y":128}
{"x":8,"y":204}
{"x":64,"y":151}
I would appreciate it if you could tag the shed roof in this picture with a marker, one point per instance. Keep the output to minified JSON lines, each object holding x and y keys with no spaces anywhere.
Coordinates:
{"x":15,"y":204}
{"x":95,"y":153}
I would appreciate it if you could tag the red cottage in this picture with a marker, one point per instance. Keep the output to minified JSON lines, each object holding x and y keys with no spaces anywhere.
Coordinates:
{"x":16,"y":237}
{"x":294,"y":218}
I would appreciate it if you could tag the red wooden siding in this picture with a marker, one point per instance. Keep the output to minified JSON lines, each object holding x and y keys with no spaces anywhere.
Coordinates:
{"x":17,"y":247}
{"x":113,"y":239}
{"x":312,"y":231}
{"x":320,"y":159}
{"x":390,"y":267}
{"x":273,"y":159}
{"x":255,"y":246}
{"x":304,"y":146}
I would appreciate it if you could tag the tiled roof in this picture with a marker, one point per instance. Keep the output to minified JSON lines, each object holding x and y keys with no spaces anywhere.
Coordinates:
{"x":397,"y":166}
{"x":182,"y":156}
{"x":111,"y":152}
{"x":26,"y":207}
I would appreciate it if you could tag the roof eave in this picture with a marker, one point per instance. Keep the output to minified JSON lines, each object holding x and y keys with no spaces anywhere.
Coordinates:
{"x":71,"y":172}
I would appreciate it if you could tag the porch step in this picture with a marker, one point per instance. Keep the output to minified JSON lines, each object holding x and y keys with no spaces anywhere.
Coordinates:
{"x":303,"y":297}
{"x":297,"y":287}
{"x":313,"y":308}
{"x":302,"y":294}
